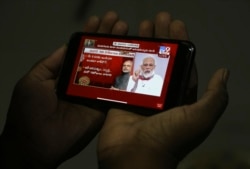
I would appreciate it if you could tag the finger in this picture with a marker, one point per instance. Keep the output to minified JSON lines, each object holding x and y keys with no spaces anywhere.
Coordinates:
{"x":120,"y":28}
{"x":146,"y":29}
{"x":177,"y":30}
{"x":92,"y":24}
{"x":166,"y":28}
{"x":48,"y":68}
{"x":80,"y":121}
{"x":162,"y":23}
{"x":107,"y":22}
{"x":202,"y":116}
{"x":186,"y":127}
{"x":121,"y":116}
{"x":214,"y":100}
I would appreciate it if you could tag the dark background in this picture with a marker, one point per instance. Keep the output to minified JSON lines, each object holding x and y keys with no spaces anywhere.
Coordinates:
{"x":32,"y":29}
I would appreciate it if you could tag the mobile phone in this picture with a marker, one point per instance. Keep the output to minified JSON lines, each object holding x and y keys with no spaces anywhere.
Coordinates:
{"x":114,"y":70}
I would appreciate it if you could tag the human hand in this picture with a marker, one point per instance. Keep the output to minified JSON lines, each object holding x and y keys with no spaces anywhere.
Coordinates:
{"x":114,"y":88}
{"x":79,"y":68}
{"x":41,"y":130}
{"x":136,"y":75}
{"x":129,"y":140}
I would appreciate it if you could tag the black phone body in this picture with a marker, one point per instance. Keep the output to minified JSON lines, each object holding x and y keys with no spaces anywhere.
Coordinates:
{"x":94,"y":63}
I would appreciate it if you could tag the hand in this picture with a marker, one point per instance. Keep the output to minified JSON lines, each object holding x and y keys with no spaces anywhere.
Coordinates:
{"x":114,"y":88}
{"x":136,"y":75}
{"x":41,"y":130}
{"x":129,"y":140}
{"x":79,"y":69}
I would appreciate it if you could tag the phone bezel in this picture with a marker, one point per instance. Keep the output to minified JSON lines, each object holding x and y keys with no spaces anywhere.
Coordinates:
{"x":177,"y":87}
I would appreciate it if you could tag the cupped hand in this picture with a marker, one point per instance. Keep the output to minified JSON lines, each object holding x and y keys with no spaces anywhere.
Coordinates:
{"x":41,"y":130}
{"x":129,"y":140}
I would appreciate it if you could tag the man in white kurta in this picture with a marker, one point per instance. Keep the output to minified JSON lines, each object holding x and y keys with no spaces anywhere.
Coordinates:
{"x":145,"y":81}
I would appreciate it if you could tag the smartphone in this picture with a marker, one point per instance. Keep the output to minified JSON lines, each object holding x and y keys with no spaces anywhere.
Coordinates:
{"x":128,"y":71}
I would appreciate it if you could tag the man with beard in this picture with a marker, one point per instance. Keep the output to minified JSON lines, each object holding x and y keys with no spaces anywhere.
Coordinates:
{"x":144,"y":80}
{"x":121,"y":81}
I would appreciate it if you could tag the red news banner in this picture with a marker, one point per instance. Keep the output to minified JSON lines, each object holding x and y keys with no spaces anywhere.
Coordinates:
{"x":101,"y":66}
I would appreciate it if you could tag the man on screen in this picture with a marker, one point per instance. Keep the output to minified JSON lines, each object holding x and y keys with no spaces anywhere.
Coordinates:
{"x":144,"y":80}
{"x":121,"y":81}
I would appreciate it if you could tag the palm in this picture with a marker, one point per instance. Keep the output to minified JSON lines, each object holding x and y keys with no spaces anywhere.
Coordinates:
{"x":47,"y":123}
{"x":122,"y":127}
{"x":170,"y":135}
{"x":167,"y":137}
{"x":164,"y":132}
{"x":48,"y":129}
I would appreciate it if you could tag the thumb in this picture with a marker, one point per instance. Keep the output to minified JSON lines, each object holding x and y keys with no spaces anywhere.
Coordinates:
{"x":187,"y":126}
{"x":214,"y":101}
{"x":202,"y":116}
{"x":48,"y":68}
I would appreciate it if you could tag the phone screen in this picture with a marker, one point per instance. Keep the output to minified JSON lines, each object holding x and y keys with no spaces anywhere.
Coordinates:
{"x":129,"y":71}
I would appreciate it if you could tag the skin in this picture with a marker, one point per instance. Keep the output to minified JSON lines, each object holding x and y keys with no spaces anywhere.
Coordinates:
{"x":148,"y":65}
{"x":127,"y":66}
{"x":129,"y":140}
{"x":43,"y":131}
